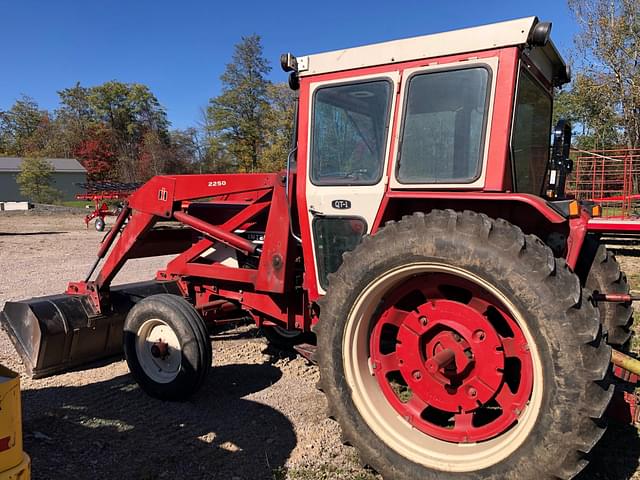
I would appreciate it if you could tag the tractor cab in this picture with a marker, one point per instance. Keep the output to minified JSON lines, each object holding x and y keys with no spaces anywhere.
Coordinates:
{"x":461,"y":111}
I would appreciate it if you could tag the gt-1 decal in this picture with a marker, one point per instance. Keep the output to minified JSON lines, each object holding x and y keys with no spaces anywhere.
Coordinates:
{"x":217,"y":183}
{"x":341,"y":204}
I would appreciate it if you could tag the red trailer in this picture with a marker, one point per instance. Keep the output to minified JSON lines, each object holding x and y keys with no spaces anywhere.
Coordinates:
{"x":610,"y":179}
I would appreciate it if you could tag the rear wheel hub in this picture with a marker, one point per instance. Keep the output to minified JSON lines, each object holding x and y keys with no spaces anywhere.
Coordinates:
{"x":456,"y":369}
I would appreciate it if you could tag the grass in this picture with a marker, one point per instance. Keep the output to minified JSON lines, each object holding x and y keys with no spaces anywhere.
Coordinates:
{"x":84,"y":203}
{"x":76,"y":203}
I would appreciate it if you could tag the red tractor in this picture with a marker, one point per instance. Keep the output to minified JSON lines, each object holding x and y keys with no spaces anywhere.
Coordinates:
{"x":420,"y":231}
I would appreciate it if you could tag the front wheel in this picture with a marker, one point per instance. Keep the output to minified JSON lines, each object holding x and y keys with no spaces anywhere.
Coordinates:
{"x":167,"y":347}
{"x":285,"y":339}
{"x":99,"y":224}
{"x":453,"y":346}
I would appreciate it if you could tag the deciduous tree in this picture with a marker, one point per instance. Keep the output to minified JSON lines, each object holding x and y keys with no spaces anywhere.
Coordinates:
{"x":35,"y":179}
{"x":605,"y":97}
{"x":19,"y":124}
{"x":129,"y":112}
{"x":279,"y":127}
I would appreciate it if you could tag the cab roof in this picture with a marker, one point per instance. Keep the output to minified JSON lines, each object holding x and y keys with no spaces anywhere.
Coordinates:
{"x":467,"y":40}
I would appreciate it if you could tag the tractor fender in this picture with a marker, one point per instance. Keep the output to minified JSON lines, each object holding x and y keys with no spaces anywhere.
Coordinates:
{"x":532,"y":214}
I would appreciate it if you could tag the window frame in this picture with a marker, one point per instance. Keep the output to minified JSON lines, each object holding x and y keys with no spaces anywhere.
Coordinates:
{"x":483,"y":135}
{"x":385,"y":138}
{"x":525,"y":67}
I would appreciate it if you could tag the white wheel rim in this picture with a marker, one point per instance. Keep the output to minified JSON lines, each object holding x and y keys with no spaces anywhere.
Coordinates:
{"x":383,"y":419}
{"x":159,"y":368}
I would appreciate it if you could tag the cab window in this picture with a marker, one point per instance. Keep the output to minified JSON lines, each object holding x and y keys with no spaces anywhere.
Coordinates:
{"x":531,"y":137}
{"x":445,"y":116}
{"x":350,"y":123}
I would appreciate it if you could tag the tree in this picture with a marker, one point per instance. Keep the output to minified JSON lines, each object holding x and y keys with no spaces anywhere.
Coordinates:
{"x":18,"y":127}
{"x":35,"y":177}
{"x":129,"y":112}
{"x":188,"y":150}
{"x":592,"y":113}
{"x":238,"y":116}
{"x":279,"y":127}
{"x":606,"y":92}
{"x":96,"y":154}
{"x":77,"y":119}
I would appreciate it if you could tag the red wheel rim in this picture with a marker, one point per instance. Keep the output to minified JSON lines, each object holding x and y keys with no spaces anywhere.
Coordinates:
{"x":450,"y":360}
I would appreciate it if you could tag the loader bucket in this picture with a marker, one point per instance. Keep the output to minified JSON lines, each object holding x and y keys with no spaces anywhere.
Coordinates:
{"x":56,"y":333}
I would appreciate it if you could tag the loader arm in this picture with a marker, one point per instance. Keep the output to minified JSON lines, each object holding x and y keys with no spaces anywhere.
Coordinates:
{"x":169,"y":198}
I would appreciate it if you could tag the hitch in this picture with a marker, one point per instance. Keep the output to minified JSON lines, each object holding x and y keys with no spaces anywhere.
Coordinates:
{"x":616,"y":297}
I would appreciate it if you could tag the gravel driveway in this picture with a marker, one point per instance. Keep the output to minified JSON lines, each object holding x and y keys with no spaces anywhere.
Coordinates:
{"x":258,"y":416}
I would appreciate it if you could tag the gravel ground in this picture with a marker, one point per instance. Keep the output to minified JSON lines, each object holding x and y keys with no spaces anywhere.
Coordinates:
{"x":258,"y":416}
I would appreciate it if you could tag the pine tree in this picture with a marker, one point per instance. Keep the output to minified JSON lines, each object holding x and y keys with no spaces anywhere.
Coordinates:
{"x":237,"y":118}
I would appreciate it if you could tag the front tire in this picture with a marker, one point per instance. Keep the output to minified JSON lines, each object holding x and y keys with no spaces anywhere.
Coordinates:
{"x":284,"y":339}
{"x":453,"y":346}
{"x":99,"y":224}
{"x":167,"y":347}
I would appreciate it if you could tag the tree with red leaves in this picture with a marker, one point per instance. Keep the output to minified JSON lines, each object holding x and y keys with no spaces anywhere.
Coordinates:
{"x":96,"y":154}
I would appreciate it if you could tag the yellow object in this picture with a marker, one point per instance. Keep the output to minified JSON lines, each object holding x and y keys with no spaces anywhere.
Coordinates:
{"x":14,"y":463}
{"x":596,"y":211}
{"x":625,"y":361}
{"x":574,"y":209}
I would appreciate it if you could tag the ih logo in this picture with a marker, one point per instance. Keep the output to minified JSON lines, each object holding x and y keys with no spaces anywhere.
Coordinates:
{"x":162,"y":194}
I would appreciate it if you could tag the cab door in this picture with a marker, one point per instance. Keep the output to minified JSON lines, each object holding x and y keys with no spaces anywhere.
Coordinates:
{"x":347,"y":154}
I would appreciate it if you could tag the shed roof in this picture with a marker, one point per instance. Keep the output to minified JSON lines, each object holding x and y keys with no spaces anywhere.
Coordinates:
{"x":67,"y":165}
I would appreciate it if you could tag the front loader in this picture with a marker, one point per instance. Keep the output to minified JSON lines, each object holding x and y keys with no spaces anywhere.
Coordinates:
{"x":464,"y":312}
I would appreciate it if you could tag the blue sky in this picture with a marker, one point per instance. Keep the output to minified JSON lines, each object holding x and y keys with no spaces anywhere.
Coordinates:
{"x":180,"y":48}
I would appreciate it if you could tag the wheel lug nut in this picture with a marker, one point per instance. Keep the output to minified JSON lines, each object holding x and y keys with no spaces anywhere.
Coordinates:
{"x":472,"y":392}
{"x":416,"y":375}
{"x":423,"y":321}
{"x":479,"y":336}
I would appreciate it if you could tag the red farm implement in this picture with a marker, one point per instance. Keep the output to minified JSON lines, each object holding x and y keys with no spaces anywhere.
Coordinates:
{"x":463,"y":323}
{"x":102,"y":192}
{"x":611,"y":179}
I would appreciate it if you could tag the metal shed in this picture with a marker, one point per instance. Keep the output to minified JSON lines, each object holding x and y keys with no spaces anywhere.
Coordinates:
{"x":66,"y":175}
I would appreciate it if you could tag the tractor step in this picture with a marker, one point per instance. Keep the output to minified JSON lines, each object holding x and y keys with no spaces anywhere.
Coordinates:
{"x":59,"y":332}
{"x":307,"y":350}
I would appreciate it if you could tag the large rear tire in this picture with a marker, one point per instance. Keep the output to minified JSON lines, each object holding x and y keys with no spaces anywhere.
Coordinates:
{"x":605,"y":276}
{"x":453,"y":346}
{"x":167,"y":347}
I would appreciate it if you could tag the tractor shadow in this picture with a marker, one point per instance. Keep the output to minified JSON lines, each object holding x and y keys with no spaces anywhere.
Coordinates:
{"x":113,"y":429}
{"x":616,"y":456}
{"x":12,"y":234}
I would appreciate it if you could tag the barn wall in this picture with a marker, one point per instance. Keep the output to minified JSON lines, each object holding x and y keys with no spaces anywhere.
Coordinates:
{"x":63,"y":181}
{"x":9,"y":190}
